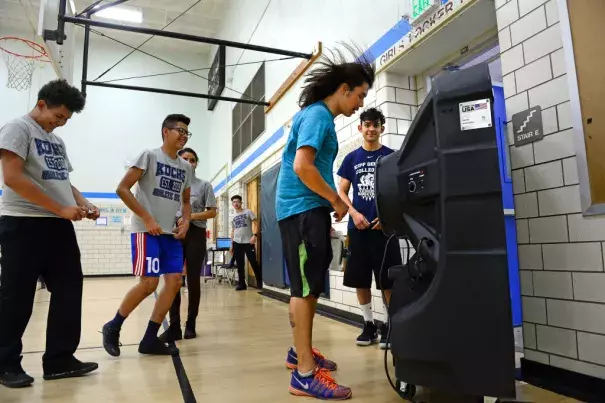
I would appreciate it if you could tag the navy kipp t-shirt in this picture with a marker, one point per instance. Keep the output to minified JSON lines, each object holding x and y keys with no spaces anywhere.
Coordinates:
{"x":358,"y":167}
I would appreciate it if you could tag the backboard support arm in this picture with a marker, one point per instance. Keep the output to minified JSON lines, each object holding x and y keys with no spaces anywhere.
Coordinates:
{"x":85,"y":57}
{"x":186,"y":37}
{"x":57,"y":35}
{"x":171,"y":92}
{"x":87,"y":22}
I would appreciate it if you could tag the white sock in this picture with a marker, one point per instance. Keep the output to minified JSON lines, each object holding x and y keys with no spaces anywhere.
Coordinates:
{"x":308,"y":374}
{"x":294,"y":349}
{"x":367,"y":312}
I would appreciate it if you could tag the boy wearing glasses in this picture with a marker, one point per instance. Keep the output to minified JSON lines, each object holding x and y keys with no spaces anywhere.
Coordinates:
{"x":163,"y":180}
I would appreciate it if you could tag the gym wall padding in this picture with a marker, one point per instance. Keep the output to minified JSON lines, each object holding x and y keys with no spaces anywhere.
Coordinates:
{"x":272,"y":256}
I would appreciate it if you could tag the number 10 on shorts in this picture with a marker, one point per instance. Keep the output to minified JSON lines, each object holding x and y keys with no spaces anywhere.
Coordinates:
{"x":153,"y":265}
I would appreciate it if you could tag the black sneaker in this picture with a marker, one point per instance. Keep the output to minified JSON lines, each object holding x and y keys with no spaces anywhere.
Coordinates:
{"x":156,"y":347}
{"x":70,"y":369}
{"x":241,"y":288}
{"x":369,"y":335}
{"x":384,"y":332}
{"x":15,"y":377}
{"x":111,"y":340}
{"x":190,"y":331}
{"x":173,"y":333}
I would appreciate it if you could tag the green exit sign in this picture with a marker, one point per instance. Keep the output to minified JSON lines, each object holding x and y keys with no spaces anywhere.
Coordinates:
{"x":420,"y":7}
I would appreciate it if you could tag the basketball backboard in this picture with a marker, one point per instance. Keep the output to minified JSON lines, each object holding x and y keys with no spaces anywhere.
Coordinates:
{"x":61,"y":56}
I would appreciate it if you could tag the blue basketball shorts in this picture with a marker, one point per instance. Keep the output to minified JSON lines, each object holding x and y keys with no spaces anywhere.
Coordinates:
{"x":153,"y":256}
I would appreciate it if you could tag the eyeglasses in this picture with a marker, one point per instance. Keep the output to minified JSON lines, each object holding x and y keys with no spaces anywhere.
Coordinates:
{"x":182,"y":131}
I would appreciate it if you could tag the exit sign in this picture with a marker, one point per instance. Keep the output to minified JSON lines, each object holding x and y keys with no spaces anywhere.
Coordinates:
{"x":420,"y":8}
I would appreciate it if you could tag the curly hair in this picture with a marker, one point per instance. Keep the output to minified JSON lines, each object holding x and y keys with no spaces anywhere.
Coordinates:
{"x":59,"y":92}
{"x":372,"y":115}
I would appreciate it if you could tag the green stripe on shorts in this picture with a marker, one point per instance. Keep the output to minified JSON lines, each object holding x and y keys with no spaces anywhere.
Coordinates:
{"x":302,"y":257}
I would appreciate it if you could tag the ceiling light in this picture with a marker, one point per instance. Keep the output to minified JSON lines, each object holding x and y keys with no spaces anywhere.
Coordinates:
{"x":121,"y":14}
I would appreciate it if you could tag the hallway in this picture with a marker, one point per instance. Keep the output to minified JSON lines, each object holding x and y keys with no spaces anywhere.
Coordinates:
{"x":238,"y":356}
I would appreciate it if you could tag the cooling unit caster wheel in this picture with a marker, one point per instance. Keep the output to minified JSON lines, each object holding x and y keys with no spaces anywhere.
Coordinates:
{"x":405,"y":390}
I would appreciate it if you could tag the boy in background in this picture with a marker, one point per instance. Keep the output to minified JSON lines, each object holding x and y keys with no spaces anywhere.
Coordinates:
{"x":367,"y":242}
{"x":244,"y":234}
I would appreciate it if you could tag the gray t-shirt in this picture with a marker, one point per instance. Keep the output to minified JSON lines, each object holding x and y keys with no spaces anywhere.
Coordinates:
{"x":46,"y":165}
{"x":161,"y":188}
{"x":202,"y":198}
{"x":242,"y":226}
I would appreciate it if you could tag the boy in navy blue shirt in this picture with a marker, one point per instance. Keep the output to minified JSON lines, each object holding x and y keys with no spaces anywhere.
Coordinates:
{"x":365,"y":233}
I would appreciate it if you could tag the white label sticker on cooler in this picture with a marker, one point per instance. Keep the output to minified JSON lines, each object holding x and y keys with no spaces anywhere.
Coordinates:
{"x":475,"y":114}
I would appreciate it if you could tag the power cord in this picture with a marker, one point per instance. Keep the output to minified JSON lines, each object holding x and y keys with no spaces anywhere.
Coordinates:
{"x":387,"y":305}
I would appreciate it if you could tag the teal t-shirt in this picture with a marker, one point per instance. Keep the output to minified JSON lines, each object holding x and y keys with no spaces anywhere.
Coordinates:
{"x":313,"y":126}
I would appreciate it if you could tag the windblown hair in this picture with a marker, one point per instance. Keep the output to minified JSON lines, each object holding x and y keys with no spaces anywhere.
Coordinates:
{"x":332,"y":71}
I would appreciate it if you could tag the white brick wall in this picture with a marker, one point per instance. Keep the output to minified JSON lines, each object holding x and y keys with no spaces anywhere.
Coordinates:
{"x":106,"y":250}
{"x":560,"y":252}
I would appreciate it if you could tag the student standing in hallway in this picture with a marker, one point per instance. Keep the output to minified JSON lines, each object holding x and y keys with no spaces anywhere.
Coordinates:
{"x":38,"y":239}
{"x":365,"y":233}
{"x":244,"y":234}
{"x":306,"y":194}
{"x":203,"y":207}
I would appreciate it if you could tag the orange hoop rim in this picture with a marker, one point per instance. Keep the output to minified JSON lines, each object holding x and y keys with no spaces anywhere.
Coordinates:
{"x":33,"y":45}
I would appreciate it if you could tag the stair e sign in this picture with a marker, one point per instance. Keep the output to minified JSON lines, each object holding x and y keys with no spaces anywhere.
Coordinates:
{"x":527,"y":126}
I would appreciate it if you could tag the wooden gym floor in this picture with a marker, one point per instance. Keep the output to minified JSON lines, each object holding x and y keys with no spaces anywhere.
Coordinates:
{"x":240,"y":334}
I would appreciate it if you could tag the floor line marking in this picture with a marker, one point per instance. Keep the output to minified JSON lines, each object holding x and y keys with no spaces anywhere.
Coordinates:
{"x":179,"y":368}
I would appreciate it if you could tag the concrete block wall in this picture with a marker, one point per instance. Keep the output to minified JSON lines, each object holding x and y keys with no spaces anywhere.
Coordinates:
{"x":560,"y":251}
{"x":221,"y":227}
{"x":106,"y":250}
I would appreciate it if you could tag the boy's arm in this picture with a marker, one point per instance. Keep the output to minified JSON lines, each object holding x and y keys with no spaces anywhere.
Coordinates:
{"x":204,"y":215}
{"x":254,"y":222}
{"x":311,"y":134}
{"x":210,"y":203}
{"x":132,"y":176}
{"x":92,"y":211}
{"x":307,"y":172}
{"x":232,"y":233}
{"x":361,"y":222}
{"x":12,"y":170}
{"x":181,"y":230}
{"x":343,"y":191}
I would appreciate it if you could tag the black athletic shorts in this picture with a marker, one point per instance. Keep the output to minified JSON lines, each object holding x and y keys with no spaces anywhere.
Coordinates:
{"x":366,"y":251}
{"x":307,"y":250}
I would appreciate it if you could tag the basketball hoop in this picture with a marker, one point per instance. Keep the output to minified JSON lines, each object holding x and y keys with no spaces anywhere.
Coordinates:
{"x":19,"y":63}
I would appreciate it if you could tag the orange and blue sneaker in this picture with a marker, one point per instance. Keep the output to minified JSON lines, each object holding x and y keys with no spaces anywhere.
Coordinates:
{"x":319,"y":385}
{"x":321,"y":361}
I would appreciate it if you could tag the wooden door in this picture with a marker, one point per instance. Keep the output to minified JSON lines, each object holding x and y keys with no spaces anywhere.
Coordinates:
{"x":253,"y":204}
